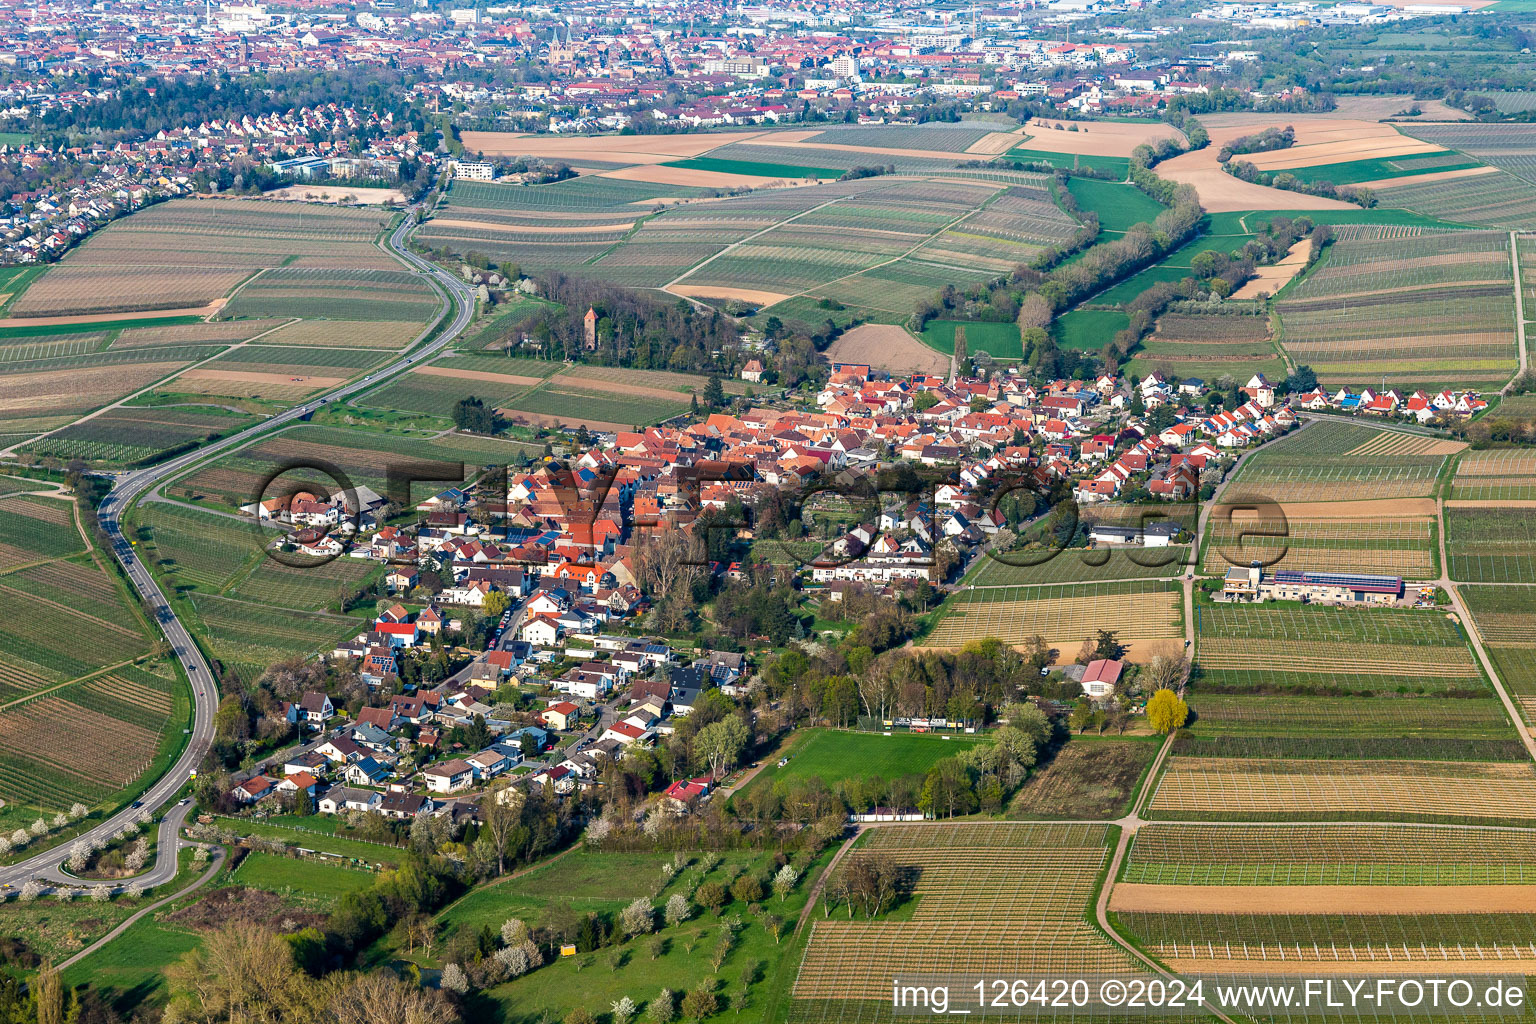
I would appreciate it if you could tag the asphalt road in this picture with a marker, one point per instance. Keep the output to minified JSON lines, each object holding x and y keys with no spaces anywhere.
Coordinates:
{"x":460,"y":305}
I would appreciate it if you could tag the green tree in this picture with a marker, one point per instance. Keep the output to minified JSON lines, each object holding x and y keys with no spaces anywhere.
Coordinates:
{"x":719,"y":744}
{"x":471,"y":414}
{"x":1107,"y":644}
{"x":494,"y":604}
{"x":947,"y":789}
{"x":714,"y":394}
{"x":748,"y":889}
{"x":711,"y":896}
{"x":699,"y":1004}
{"x":1166,"y":711}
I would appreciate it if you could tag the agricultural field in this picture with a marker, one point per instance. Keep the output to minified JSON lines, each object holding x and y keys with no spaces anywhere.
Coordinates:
{"x":887,"y":346}
{"x":129,"y":434}
{"x":1491,"y":545}
{"x":190,"y":252}
{"x":198,"y":332}
{"x":36,"y":529}
{"x":1343,"y":461}
{"x":1495,"y":476}
{"x":1495,"y":200}
{"x":755,"y":168}
{"x":880,"y":244}
{"x":989,"y":898}
{"x":364,"y":456}
{"x":1146,"y":615}
{"x":1510,"y":147}
{"x":1373,"y":169}
{"x":1505,"y":102}
{"x":1384,"y":543}
{"x":1076,"y":564}
{"x":39,"y":394}
{"x":41,"y":632}
{"x":272,"y":372}
{"x":940,"y":136}
{"x":122,"y":723}
{"x":1089,"y":777}
{"x":1442,"y":936}
{"x":1424,"y":728}
{"x":1208,"y":347}
{"x":1364,"y":854}
{"x":195,"y":550}
{"x":1283,"y":646}
{"x":1437,"y":307}
{"x":1010,"y":229}
{"x":1118,"y":206}
{"x":1517,"y":405}
{"x":1239,"y":788}
{"x":247,"y":638}
{"x":526,"y":385}
{"x":563,"y":402}
{"x":336,"y":295}
{"x":124,"y":715}
{"x":1001,"y":341}
{"x":1175,"y":266}
{"x":391,"y":335}
{"x":1505,"y":619}
{"x":1088,"y":330}
{"x":847,"y":232}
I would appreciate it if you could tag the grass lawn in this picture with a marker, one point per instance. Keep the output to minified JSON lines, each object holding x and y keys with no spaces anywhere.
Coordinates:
{"x":1247,"y":221}
{"x":14,"y":281}
{"x":310,"y":880}
{"x":1134,"y":285}
{"x":1088,"y":329}
{"x":130,"y":969}
{"x":999,"y":340}
{"x":1350,"y":172}
{"x":767,"y":170}
{"x":1066,"y":161}
{"x":1089,"y":777}
{"x":28,"y":331}
{"x":1118,"y":206}
{"x":372,"y":853}
{"x":831,"y":755}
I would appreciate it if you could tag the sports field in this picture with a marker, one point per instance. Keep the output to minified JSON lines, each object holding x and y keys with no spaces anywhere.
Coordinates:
{"x":832,"y":754}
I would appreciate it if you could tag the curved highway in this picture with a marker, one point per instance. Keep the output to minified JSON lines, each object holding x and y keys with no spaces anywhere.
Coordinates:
{"x":459,"y":308}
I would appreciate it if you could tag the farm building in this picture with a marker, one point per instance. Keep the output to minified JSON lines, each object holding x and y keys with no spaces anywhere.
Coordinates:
{"x":1155,"y":535}
{"x":1254,"y":584}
